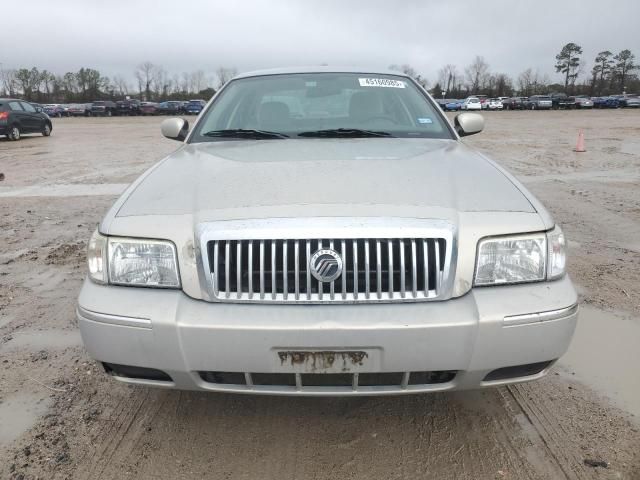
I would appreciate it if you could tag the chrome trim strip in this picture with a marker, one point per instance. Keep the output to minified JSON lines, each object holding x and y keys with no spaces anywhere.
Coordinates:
{"x":113,"y":319}
{"x":540,"y":317}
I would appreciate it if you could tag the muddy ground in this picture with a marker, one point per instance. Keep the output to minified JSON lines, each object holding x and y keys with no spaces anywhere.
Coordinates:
{"x":62,"y":418}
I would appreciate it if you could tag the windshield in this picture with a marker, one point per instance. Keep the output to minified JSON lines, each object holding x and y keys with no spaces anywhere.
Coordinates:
{"x":327,"y":104}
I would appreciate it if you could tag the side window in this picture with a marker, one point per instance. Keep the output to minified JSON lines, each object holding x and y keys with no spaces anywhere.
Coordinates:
{"x":28,"y":107}
{"x":15,"y":106}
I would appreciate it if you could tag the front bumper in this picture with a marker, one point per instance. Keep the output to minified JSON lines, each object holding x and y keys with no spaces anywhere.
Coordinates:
{"x":487,"y":329}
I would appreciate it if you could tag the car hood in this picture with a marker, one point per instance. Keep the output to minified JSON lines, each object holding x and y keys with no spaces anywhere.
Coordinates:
{"x":318,"y":177}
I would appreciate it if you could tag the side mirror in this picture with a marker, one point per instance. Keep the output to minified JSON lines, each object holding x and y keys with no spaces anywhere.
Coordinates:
{"x":175,"y":128}
{"x":468,"y":124}
{"x":39,"y":109}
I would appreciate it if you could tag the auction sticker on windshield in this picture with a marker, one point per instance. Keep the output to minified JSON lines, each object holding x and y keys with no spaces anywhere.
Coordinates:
{"x":380,"y":82}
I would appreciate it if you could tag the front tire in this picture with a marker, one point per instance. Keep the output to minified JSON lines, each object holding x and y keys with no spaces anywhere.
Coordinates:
{"x":46,"y":131}
{"x":14,"y":133}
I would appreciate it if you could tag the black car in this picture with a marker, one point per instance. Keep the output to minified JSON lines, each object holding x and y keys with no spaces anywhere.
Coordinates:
{"x":514,"y":103}
{"x":562,"y":100}
{"x":106,"y":108}
{"x":170,"y":108}
{"x":128,"y":107}
{"x":18,"y":117}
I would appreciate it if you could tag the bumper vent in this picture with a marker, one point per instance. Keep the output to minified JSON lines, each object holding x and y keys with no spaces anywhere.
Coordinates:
{"x":329,"y":380}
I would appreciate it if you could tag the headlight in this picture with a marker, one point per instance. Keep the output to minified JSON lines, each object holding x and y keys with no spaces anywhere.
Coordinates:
{"x":130,"y":261}
{"x":515,"y":259}
{"x":521,"y":258}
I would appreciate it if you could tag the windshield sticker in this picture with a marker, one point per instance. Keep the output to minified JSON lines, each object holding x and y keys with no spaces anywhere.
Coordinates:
{"x":425,"y":120}
{"x":380,"y":82}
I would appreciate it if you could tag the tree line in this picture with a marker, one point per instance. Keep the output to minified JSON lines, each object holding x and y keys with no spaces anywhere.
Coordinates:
{"x":152,"y":82}
{"x":611,"y":74}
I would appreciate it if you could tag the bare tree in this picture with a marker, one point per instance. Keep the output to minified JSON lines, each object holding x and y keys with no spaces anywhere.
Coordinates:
{"x":198,"y":81}
{"x":121,"y":85}
{"x":410,"y":71}
{"x":9,"y":82}
{"x":528,"y":82}
{"x":447,"y":77}
{"x":144,"y":74}
{"x":477,"y":73}
{"x":224,"y":75}
{"x":503,"y":85}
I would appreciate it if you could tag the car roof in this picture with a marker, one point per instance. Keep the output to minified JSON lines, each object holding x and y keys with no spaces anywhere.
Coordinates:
{"x":319,"y":69}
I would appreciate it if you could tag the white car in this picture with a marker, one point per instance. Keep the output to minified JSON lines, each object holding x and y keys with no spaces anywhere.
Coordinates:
{"x":471,"y":103}
{"x":367,"y":251}
{"x":494,"y":104}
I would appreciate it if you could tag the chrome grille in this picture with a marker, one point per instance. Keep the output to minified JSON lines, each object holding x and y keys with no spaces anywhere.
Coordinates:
{"x":374,"y":269}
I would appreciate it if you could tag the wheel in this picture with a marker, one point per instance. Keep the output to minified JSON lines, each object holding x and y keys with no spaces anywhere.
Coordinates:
{"x":14,"y":133}
{"x":46,"y":131}
{"x":109,"y":113}
{"x":533,"y":106}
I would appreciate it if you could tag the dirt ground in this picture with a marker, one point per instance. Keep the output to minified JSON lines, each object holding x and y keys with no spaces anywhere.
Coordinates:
{"x":62,"y":418}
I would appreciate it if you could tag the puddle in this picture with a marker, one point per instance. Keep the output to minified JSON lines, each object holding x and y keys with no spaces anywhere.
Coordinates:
{"x":42,"y":340}
{"x":604,"y":354}
{"x":70,"y":190}
{"x":18,"y":413}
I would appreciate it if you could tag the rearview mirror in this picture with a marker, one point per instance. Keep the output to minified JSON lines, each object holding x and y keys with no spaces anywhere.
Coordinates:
{"x":469,"y":124}
{"x":175,"y":128}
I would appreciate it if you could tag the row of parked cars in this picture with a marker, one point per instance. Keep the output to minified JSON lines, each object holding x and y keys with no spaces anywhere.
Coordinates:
{"x":540,"y":102}
{"x":109,"y":108}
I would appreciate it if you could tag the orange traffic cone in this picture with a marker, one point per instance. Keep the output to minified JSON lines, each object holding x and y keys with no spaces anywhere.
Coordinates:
{"x":580,"y":143}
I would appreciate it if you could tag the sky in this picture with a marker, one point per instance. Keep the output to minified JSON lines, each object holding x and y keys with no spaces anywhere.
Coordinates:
{"x":114,"y":36}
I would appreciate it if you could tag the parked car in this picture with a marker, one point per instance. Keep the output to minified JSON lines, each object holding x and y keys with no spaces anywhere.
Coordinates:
{"x":513,"y":103}
{"x":128,"y":107}
{"x":583,"y":101}
{"x":484,"y":101}
{"x":396,"y":260}
{"x":606,"y":102}
{"x":471,"y":103}
{"x":538,"y":102}
{"x":562,"y":101}
{"x":55,"y":110}
{"x":453,"y":105}
{"x":18,"y":118}
{"x":169,"y":108}
{"x":105,"y":108}
{"x":194,"y":107}
{"x":148,"y":108}
{"x":494,"y":104}
{"x":80,"y":110}
{"x":630,"y":101}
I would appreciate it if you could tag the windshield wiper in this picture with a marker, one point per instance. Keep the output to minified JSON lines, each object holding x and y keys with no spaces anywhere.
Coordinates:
{"x":344,"y":132}
{"x":244,"y":133}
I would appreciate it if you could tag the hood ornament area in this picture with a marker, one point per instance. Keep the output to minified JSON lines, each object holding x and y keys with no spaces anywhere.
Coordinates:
{"x":326,"y":265}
